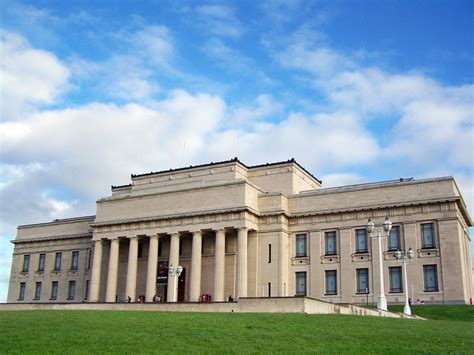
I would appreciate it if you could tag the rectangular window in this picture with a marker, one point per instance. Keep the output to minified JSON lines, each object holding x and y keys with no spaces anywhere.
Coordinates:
{"x":361,"y":241}
{"x":269,"y":253}
{"x":57,"y":262}
{"x":394,"y":239}
{"x":37,"y":291}
{"x":54,"y":290}
{"x":362,"y":280}
{"x":21,"y":295}
{"x":395,"y":275}
{"x":75,"y":260}
{"x":427,"y":236}
{"x":71,"y":290}
{"x":330,"y":243}
{"x":89,"y":259}
{"x":26,"y":263}
{"x":87,"y":290}
{"x":430,"y":273}
{"x":301,"y":284}
{"x":269,"y":289}
{"x":41,"y":260}
{"x":331,"y":282}
{"x":300,"y":245}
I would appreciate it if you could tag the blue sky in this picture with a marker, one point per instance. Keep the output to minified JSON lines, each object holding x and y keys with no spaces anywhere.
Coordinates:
{"x":356,"y":91}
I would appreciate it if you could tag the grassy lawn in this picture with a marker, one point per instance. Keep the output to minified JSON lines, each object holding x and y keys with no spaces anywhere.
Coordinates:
{"x":125,"y":332}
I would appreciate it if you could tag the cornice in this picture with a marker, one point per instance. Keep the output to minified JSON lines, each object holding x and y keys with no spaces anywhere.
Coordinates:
{"x":51,"y":238}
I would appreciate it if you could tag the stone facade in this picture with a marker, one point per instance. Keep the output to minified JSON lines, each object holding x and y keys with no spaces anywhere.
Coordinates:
{"x":259,"y":231}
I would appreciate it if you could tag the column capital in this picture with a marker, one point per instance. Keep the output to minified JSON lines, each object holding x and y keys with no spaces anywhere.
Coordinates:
{"x":197,"y":232}
{"x":132,"y":237}
{"x":153,"y":236}
{"x":219,"y":230}
{"x":113,"y":238}
{"x":243,"y":229}
{"x":98,"y":241}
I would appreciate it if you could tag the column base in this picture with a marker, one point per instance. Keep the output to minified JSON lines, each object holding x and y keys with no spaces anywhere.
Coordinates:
{"x":382,"y":302}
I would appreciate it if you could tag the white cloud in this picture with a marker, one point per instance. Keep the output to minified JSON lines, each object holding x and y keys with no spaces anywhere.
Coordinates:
{"x":219,"y":20}
{"x":29,"y":76}
{"x":342,"y":179}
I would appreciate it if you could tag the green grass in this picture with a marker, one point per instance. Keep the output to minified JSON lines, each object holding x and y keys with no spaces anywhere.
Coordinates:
{"x":447,"y":312}
{"x":139,"y":332}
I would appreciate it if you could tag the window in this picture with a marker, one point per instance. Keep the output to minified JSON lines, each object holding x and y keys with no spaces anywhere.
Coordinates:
{"x":395,"y":275}
{"x":269,"y":253}
{"x":331,"y":282}
{"x":75,"y":260}
{"x":269,"y":289}
{"x":89,"y":259}
{"x":54,"y":290}
{"x":427,"y":236}
{"x":361,"y":241}
{"x":430,"y":273}
{"x":21,"y":295}
{"x":37,"y":291}
{"x":87,"y":290}
{"x":362,"y":280}
{"x":71,"y":290}
{"x":42,"y":257}
{"x":26,"y":263}
{"x":394,"y":239}
{"x":330,"y":243}
{"x":57,"y":262}
{"x":300,"y":245}
{"x":301,"y":284}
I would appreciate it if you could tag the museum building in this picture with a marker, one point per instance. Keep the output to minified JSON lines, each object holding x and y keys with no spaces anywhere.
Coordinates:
{"x":225,"y":229}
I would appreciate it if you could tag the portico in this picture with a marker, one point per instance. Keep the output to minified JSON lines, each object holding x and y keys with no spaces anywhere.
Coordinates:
{"x":171,"y":258}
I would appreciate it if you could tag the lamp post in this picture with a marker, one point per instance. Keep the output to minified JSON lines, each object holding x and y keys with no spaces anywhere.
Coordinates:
{"x":405,"y":257}
{"x":373,"y":233}
{"x":175,"y":273}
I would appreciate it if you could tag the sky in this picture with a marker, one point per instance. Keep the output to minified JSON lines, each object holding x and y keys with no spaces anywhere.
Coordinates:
{"x":355,"y":91}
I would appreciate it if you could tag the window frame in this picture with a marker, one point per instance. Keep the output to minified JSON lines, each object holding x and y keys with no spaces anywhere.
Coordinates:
{"x":358,"y":276}
{"x":327,"y":274}
{"x":391,"y":270}
{"x":361,"y":251}
{"x":433,"y":238}
{"x":75,"y":260}
{"x":38,"y":286}
{"x":22,"y":291}
{"x":298,"y":238}
{"x":433,"y":267}
{"x":399,"y":246}
{"x":26,"y":263}
{"x":54,"y":290}
{"x":327,"y":235}
{"x":303,"y":275}
{"x":71,"y":286}
{"x":41,"y":262}
{"x":58,"y":261}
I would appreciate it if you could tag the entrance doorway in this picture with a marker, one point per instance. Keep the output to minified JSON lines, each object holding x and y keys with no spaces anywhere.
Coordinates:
{"x":181,"y":285}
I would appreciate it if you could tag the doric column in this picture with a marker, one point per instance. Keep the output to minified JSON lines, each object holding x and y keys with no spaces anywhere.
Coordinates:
{"x":113,"y":267}
{"x":131,"y":288}
{"x":174,"y":261}
{"x":195,"y":289}
{"x":242,"y":235}
{"x":152,"y":266}
{"x":96,"y":269}
{"x":219,"y":270}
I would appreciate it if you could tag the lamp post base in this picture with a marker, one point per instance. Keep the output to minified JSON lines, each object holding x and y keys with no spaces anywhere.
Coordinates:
{"x":407,"y":310}
{"x":382,"y":303}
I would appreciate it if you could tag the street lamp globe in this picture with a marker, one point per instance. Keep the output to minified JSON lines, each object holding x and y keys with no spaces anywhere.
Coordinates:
{"x":171,"y":269}
{"x":179,"y":270}
{"x":387,"y":225}
{"x":398,"y":254}
{"x":370,"y":226}
{"x":411,"y":254}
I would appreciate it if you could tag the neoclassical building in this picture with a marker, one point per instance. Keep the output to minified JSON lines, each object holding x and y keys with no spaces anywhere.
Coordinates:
{"x":249,"y":231}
